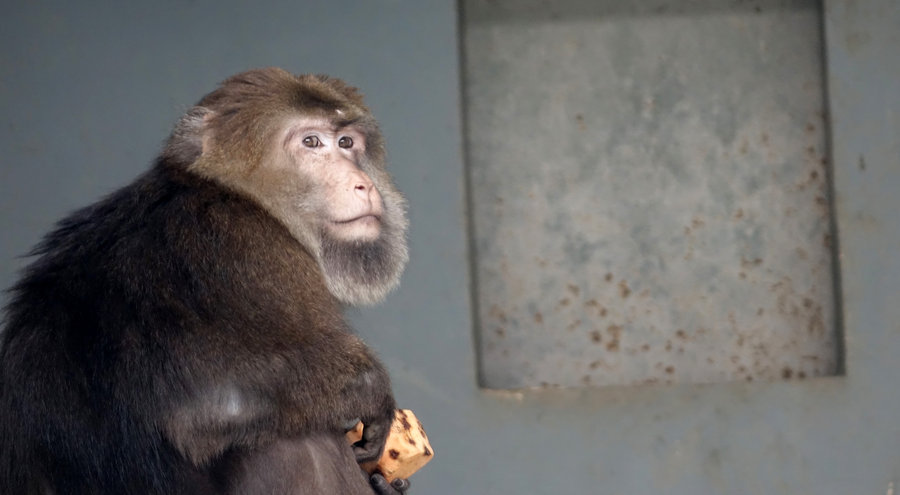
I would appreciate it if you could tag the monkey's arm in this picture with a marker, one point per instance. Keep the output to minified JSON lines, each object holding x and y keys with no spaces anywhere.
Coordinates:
{"x":254,"y":345}
{"x":244,"y":399}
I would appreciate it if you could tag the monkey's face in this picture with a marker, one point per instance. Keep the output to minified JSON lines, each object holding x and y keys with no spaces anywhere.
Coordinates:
{"x":332,"y":159}
{"x":307,"y":150}
{"x":325,"y":180}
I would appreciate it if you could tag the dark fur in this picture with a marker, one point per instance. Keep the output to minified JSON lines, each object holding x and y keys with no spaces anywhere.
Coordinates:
{"x":176,"y":338}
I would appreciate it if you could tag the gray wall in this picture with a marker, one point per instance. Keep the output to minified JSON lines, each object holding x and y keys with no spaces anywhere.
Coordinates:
{"x":88,"y":92}
{"x":637,"y":220}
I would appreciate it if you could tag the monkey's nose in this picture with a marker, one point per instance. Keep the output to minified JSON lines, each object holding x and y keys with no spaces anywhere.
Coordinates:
{"x":363,"y":188}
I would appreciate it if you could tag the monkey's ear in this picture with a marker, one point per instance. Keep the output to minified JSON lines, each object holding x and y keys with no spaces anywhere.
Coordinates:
{"x":189,"y":138}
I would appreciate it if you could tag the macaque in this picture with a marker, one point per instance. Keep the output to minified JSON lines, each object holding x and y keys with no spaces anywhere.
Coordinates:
{"x":185,"y":334}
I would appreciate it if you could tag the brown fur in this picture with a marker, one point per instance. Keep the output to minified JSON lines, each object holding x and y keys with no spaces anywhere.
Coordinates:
{"x":185,"y":335}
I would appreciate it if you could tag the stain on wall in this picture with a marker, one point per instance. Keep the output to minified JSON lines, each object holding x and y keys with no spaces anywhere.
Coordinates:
{"x":649,"y":192}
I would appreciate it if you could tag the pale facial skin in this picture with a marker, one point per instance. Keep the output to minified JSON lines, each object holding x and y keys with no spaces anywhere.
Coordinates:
{"x":331,"y":159}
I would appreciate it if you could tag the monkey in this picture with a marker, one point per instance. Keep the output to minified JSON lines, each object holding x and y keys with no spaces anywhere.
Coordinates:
{"x":185,"y":334}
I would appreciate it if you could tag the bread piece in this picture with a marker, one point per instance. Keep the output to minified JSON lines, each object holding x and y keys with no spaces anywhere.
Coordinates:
{"x":406,"y":450}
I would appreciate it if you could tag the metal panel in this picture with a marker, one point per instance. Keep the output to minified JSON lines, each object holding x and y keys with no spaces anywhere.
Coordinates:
{"x":649,"y":192}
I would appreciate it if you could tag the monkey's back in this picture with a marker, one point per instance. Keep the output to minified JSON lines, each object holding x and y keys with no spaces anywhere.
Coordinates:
{"x":97,"y":327}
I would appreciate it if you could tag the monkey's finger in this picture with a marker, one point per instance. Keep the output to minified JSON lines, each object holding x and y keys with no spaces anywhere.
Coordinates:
{"x":400,"y":484}
{"x":367,"y":452}
{"x":350,"y":425}
{"x":382,"y":487}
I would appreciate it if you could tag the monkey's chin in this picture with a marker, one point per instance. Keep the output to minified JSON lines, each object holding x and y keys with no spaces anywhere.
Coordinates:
{"x":363,"y":229}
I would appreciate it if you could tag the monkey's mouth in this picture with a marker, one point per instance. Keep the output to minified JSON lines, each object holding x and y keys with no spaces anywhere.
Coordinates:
{"x":361,"y":228}
{"x":369,"y":218}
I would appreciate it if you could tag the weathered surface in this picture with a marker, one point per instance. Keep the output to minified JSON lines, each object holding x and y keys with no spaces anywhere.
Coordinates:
{"x":649,"y":192}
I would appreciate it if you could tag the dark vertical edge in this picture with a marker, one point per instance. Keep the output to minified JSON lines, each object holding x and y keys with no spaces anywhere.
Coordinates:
{"x":469,"y":207}
{"x":833,"y":227}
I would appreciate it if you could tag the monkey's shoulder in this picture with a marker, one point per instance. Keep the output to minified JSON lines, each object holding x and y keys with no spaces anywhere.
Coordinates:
{"x":170,"y":243}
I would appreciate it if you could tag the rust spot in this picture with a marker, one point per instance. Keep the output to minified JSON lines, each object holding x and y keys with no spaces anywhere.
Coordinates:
{"x":645,"y":347}
{"x":697,"y":222}
{"x":814,"y":175}
{"x":787,"y":373}
{"x":564,"y":301}
{"x":670,"y":369}
{"x":810,"y":128}
{"x":614,"y":331}
{"x":821,"y":201}
{"x":760,"y":311}
{"x":603,"y":312}
{"x":500,"y":332}
{"x":596,"y":336}
{"x":608,"y":277}
{"x":497,"y":313}
{"x":573,"y":289}
{"x":801,"y":375}
{"x":826,"y":241}
{"x":594,"y":365}
{"x":668,"y":345}
{"x":572,"y":326}
{"x":681,"y":334}
{"x":739,"y":214}
{"x":586,"y":379}
{"x":624,"y":290}
{"x":742,"y":275}
{"x":394,"y":454}
{"x":579,"y":119}
{"x":816,"y":325}
{"x":613,"y":346}
{"x":538,"y":318}
{"x":745,"y":263}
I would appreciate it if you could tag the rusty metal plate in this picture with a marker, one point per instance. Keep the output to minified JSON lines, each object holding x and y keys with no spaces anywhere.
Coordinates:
{"x":649,"y":192}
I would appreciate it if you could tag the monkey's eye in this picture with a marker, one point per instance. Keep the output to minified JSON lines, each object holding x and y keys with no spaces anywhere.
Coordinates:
{"x":345,"y":142}
{"x":311,"y":142}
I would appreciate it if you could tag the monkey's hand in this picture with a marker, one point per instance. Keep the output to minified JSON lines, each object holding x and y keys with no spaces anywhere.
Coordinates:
{"x":369,"y":398}
{"x":374,"y":436}
{"x":382,"y":487}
